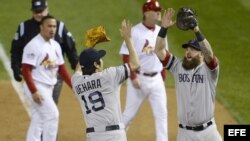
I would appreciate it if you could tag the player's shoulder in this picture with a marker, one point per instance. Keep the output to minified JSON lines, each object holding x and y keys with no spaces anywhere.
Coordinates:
{"x":37,"y":40}
{"x":77,"y":75}
{"x":31,"y":21}
{"x":59,"y":22}
{"x":28,"y":20}
{"x":27,"y":23}
{"x":55,"y":43}
{"x":33,"y":45}
{"x":157,"y":28}
{"x":138,"y":30}
{"x":113,"y":69}
{"x":137,"y":27}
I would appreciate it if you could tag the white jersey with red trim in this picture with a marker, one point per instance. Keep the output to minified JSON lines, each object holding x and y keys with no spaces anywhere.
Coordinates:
{"x":195,"y":90}
{"x":149,"y":76}
{"x":45,"y":57}
{"x":144,"y":42}
{"x":99,"y":95}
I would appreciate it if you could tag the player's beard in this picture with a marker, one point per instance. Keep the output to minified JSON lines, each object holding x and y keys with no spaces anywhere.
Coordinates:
{"x":194,"y":62}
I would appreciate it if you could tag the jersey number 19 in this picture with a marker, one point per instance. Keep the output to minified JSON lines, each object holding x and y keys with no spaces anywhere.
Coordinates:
{"x":96,"y":99}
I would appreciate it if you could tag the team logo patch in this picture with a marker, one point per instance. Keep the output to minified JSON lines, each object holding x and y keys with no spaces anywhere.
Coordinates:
{"x":47,"y":63}
{"x":146,"y":48}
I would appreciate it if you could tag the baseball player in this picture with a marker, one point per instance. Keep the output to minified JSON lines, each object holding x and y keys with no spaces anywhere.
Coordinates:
{"x":147,"y":83}
{"x":196,"y":77}
{"x":29,"y":29}
{"x":98,"y":91}
{"x":42,"y":60}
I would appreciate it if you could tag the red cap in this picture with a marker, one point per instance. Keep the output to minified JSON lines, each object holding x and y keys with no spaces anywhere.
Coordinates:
{"x":151,"y":5}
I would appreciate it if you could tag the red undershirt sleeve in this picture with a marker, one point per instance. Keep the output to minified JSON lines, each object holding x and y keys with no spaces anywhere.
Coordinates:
{"x":26,"y":72}
{"x":65,"y":75}
{"x":125,"y":59}
{"x":165,"y":61}
{"x":163,"y":74}
{"x":213,"y":64}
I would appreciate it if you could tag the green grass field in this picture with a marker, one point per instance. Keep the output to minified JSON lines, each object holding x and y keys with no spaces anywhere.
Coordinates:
{"x":224,"y":23}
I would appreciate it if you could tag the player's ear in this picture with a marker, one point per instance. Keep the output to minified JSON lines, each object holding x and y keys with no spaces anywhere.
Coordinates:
{"x":97,"y":65}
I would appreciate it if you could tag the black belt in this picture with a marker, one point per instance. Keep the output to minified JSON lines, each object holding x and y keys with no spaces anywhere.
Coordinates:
{"x":148,"y":74}
{"x":197,"y":128}
{"x":107,"y":128}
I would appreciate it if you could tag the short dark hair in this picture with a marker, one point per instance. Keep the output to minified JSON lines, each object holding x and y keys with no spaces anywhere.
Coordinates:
{"x":90,"y":70}
{"x":45,"y":18}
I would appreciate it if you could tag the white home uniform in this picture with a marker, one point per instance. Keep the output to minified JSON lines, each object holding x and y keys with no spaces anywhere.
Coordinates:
{"x":45,"y":57}
{"x":152,"y":84}
{"x":99,"y":96}
{"x":195,"y":91}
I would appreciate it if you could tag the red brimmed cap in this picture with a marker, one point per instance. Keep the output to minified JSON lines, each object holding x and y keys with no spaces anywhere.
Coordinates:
{"x":151,"y":5}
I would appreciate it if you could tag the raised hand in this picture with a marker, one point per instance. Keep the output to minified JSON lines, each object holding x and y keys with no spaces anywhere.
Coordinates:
{"x":167,"y":20}
{"x":125,"y":29}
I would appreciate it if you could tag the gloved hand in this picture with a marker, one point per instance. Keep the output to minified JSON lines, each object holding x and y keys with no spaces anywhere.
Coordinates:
{"x":95,"y":35}
{"x":186,"y":19}
{"x":17,"y":74}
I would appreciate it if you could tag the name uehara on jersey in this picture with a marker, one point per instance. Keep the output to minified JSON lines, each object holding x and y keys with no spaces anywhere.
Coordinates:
{"x":185,"y":77}
{"x":88,"y":85}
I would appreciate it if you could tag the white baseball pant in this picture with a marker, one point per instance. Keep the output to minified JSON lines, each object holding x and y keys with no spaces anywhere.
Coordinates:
{"x":44,"y":117}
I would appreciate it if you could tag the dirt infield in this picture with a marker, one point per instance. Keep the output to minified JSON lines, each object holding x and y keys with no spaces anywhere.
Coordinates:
{"x":14,"y":119}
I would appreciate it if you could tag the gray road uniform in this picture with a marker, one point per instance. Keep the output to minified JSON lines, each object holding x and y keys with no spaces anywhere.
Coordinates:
{"x":99,"y":96}
{"x":195,"y":91}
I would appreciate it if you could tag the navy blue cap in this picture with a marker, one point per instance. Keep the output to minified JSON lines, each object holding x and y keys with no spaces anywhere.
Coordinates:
{"x":192,"y":43}
{"x":89,"y":56}
{"x":38,"y":5}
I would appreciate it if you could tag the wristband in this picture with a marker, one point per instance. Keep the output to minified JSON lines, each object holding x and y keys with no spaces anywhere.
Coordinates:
{"x":163,"y":32}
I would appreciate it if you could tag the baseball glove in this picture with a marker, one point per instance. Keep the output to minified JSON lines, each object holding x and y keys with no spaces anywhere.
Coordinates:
{"x":94,"y":36}
{"x":186,"y":19}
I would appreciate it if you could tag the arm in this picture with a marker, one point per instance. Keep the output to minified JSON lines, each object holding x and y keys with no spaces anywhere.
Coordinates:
{"x":26,"y":71}
{"x":65,"y":75}
{"x":133,"y":74}
{"x":126,"y":34}
{"x":206,"y":49}
{"x":16,"y":52}
{"x":167,"y":22}
{"x":68,"y":46}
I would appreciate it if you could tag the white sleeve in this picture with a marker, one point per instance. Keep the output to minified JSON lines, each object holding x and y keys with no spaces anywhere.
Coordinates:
{"x":167,"y":48}
{"x":30,"y":55}
{"x":124,"y":49}
{"x":74,"y":77}
{"x":117,"y":74}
